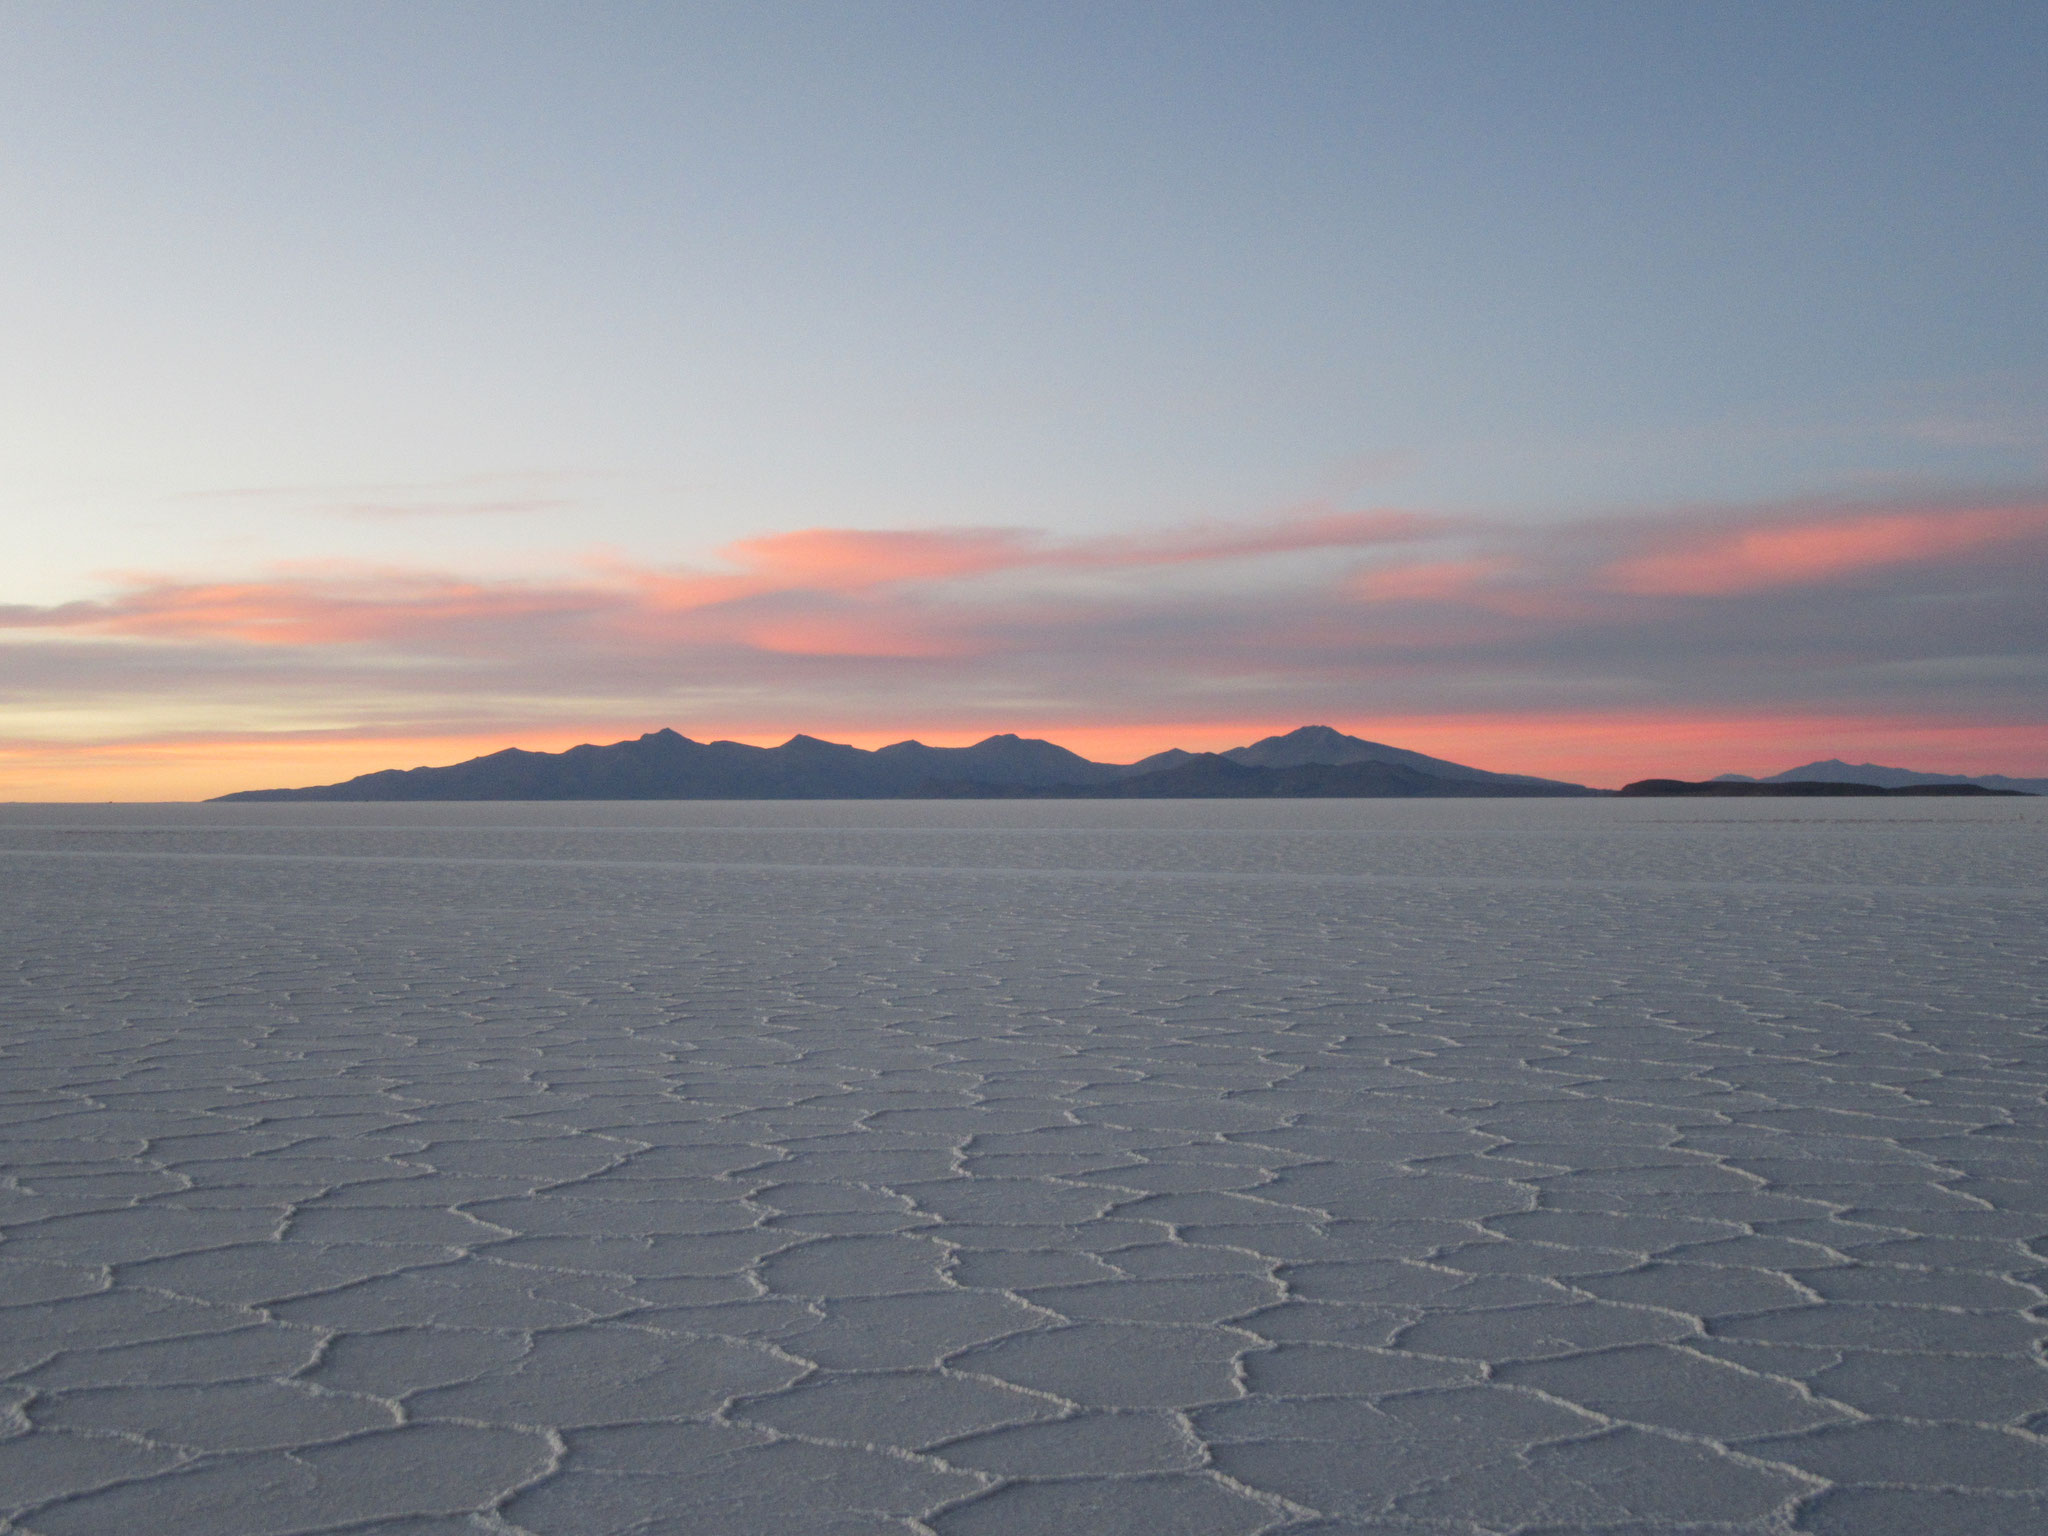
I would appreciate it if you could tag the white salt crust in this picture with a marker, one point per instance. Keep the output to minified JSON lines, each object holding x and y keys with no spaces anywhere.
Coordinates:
{"x":1191,"y":1169}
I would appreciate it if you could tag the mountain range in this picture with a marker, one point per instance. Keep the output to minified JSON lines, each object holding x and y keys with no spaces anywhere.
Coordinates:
{"x":1834,"y":771}
{"x":1805,"y":788}
{"x":1314,"y":761}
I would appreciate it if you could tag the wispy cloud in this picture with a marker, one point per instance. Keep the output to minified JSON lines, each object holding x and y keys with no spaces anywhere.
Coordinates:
{"x":483,"y":495}
{"x":383,"y":511}
{"x":1822,"y":550}
{"x":838,"y":559}
{"x":336,"y":605}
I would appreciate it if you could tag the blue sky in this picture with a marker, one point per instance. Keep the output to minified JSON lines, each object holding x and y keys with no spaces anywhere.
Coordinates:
{"x":494,"y":290}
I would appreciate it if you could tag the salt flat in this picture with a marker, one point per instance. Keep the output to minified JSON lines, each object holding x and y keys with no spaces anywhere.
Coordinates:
{"x":1035,"y":1167}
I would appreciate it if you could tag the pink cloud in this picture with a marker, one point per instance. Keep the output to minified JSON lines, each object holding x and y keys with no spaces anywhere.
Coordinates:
{"x":1434,"y":581}
{"x":923,"y":593}
{"x":319,"y":609}
{"x":844,"y":559}
{"x":1308,"y":531}
{"x":1804,"y":553}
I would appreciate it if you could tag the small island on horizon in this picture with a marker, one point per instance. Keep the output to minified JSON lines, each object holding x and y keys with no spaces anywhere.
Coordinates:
{"x":1311,"y":762}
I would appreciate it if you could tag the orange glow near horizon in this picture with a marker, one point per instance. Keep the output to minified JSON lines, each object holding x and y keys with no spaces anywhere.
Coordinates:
{"x":1604,"y":750}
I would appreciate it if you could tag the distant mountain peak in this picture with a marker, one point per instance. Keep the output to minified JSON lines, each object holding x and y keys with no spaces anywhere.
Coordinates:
{"x":1317,"y":745}
{"x":1313,"y":738}
{"x":1834,"y":770}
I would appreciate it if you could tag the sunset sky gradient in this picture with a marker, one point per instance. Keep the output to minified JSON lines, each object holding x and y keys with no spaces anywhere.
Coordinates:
{"x":1595,"y":390}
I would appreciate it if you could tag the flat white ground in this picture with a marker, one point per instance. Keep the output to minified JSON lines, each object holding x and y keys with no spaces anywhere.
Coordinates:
{"x":1179,"y":1169}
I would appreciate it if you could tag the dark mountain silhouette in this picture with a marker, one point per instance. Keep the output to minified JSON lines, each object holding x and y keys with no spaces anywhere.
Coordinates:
{"x":1172,"y":757}
{"x":1318,"y":744}
{"x":1735,"y":788}
{"x":1006,"y":759}
{"x":663,"y":765}
{"x":1218,"y":776}
{"x":1834,"y":770}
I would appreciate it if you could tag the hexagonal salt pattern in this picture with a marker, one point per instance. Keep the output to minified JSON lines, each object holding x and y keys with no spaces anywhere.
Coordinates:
{"x":984,"y":1170}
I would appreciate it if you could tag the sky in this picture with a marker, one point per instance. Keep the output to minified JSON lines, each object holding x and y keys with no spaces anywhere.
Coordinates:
{"x":1598,"y":390}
